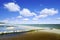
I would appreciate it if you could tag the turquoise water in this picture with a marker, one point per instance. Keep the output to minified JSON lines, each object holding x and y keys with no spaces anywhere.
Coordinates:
{"x":44,"y":25}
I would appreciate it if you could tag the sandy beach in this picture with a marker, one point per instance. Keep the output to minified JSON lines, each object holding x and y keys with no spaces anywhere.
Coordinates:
{"x":35,"y":35}
{"x":32,"y":33}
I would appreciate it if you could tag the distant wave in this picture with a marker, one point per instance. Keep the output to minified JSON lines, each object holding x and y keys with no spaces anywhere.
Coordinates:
{"x":20,"y":28}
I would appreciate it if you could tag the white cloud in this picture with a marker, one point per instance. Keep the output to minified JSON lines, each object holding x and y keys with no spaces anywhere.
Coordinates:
{"x":12,"y":7}
{"x":19,"y":17}
{"x":25,"y":19}
{"x":35,"y":19}
{"x":27,"y":12}
{"x":41,"y":16}
{"x":47,"y":11}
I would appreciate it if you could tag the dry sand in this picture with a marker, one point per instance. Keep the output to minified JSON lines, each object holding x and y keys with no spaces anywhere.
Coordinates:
{"x":35,"y":36}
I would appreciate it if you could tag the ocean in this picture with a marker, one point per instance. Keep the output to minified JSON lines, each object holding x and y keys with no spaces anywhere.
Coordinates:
{"x":30,"y":26}
{"x":25,"y":27}
{"x":44,"y":25}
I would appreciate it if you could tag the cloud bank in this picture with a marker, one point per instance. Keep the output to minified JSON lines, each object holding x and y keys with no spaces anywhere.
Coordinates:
{"x":25,"y":12}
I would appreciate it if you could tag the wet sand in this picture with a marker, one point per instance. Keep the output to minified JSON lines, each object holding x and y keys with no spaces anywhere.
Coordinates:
{"x":35,"y":36}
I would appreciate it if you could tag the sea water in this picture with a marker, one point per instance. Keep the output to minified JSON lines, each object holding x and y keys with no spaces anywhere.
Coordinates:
{"x":28,"y":27}
{"x":44,"y":25}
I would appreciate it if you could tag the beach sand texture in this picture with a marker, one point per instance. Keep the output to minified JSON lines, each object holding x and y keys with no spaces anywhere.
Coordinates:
{"x":35,"y":36}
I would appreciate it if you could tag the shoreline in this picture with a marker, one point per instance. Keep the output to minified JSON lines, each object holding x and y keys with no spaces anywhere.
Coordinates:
{"x":32,"y":33}
{"x":53,"y":30}
{"x":38,"y":35}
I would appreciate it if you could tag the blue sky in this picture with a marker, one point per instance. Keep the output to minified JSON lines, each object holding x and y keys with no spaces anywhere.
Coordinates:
{"x":30,"y":11}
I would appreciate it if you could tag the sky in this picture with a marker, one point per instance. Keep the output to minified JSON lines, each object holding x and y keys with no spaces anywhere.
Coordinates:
{"x":30,"y":11}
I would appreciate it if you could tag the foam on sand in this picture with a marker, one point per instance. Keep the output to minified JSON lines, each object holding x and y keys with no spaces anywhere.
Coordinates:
{"x":27,"y":28}
{"x":45,"y":29}
{"x":52,"y":31}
